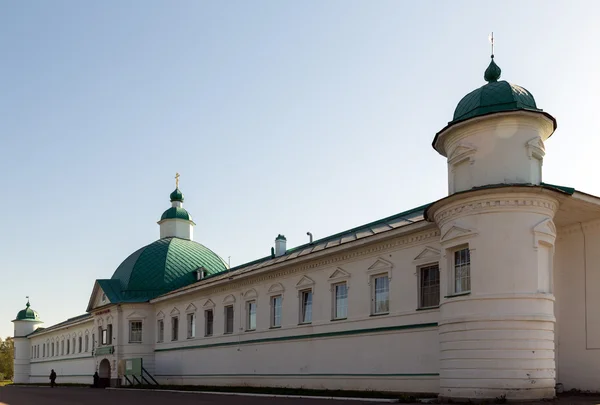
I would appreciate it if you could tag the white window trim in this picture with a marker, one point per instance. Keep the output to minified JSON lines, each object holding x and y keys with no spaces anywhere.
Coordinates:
{"x":452,"y":271}
{"x":333,"y":299}
{"x":191,"y":333}
{"x":419,"y":280}
{"x":211,"y":309}
{"x":247,"y":306}
{"x":160,"y":339}
{"x":225,"y":332}
{"x":272,"y":311}
{"x":372,"y":288}
{"x":173,"y":339}
{"x":300,"y":303}
{"x":141,"y":331}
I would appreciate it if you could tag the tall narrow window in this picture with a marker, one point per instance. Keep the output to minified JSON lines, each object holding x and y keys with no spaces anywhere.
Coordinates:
{"x":160,"y":327}
{"x":208,"y":322}
{"x":135,"y":332}
{"x":68,"y":346}
{"x":229,"y":319}
{"x":104,"y":336}
{"x":306,"y":297}
{"x":62,"y":347}
{"x":80,"y":343}
{"x":74,"y":349}
{"x":251,"y":313}
{"x":429,"y":280}
{"x":93,"y":342}
{"x":191,"y":326}
{"x":276,"y":311}
{"x":174,"y":328}
{"x":340,"y":301}
{"x":44,"y":350}
{"x":87,"y":343}
{"x":462,"y":271}
{"x":52,"y":348}
{"x":381,"y":294}
{"x":109,"y":329}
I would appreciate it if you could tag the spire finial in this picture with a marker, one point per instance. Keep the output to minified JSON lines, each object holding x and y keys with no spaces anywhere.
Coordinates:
{"x":493,"y":71}
{"x":176,"y":180}
{"x":27,"y":305}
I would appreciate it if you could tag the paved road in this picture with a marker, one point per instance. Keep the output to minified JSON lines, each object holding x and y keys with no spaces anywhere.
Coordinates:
{"x":12,"y":395}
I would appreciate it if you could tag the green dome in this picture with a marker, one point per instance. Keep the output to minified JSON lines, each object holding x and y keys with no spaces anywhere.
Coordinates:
{"x":164,"y":266}
{"x":176,"y":195}
{"x":496,"y":96}
{"x":27,"y":314}
{"x":176,"y":212}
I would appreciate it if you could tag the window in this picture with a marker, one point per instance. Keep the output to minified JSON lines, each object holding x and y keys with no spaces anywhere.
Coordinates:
{"x":340,"y":301}
{"x":93,"y":342}
{"x":68,"y":346}
{"x":276,"y":311}
{"x":160,"y":327}
{"x":80,"y":345}
{"x":174,"y":328}
{"x":462,"y":271}
{"x":191,"y":326}
{"x":381,"y":294}
{"x":429,"y":286}
{"x":73,"y":347}
{"x":251,"y":313}
{"x":104,"y":334}
{"x":229,"y":319}
{"x":44,"y":350}
{"x":87,"y":343}
{"x":52,"y":347}
{"x":135,"y":332}
{"x":306,"y":306}
{"x":208,"y":322}
{"x":62,"y":347}
{"x":109,"y":333}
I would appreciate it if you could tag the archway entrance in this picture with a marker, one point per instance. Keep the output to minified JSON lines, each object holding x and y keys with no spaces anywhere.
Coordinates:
{"x":104,"y":373}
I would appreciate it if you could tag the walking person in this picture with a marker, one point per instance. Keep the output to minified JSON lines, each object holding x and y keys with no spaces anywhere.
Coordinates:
{"x":52,"y":378}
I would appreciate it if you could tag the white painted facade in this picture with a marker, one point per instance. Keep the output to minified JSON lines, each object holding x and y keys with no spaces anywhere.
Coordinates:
{"x":512,"y":312}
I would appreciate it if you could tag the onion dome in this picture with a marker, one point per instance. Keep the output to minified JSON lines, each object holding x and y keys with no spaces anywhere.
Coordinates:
{"x":176,"y":195}
{"x":28,"y":314}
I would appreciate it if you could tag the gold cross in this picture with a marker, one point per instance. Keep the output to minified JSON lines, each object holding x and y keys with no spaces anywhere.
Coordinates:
{"x":491,"y":38}
{"x":176,"y":180}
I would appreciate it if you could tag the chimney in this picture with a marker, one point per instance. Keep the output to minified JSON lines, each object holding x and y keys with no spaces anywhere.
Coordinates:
{"x":280,"y":242}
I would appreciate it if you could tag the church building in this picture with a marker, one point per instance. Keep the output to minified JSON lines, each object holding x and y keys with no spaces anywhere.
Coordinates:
{"x":488,"y":292}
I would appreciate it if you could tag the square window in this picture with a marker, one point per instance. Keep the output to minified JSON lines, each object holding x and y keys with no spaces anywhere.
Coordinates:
{"x":135,"y":332}
{"x":462,"y":271}
{"x":251,"y":314}
{"x":276,"y":303}
{"x":160,"y":326}
{"x":381,"y":294}
{"x":429,"y":286}
{"x":191,"y":326}
{"x":175,"y":328}
{"x":306,"y":298}
{"x":208,"y":322}
{"x":229,"y":319}
{"x":340,"y":301}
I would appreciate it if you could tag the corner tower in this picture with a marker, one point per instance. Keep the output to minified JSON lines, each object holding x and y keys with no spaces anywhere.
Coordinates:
{"x":176,"y":222}
{"x":497,"y":234}
{"x":26,"y":322}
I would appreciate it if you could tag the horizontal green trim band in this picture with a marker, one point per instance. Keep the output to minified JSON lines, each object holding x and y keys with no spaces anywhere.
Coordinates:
{"x":303,"y":375}
{"x":57,"y":360}
{"x":307,"y":336}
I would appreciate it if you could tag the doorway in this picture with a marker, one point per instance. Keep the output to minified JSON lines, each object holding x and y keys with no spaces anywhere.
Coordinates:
{"x":104,"y":373}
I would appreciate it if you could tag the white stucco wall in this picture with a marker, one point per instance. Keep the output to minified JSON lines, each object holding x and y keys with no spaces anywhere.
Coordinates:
{"x":345,"y":354}
{"x":577,"y":281}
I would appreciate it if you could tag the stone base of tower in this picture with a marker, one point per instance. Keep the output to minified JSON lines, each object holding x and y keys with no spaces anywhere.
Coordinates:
{"x":505,"y":356}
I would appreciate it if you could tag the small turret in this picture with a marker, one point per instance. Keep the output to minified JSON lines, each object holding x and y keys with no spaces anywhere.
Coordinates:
{"x":176,"y":221}
{"x":26,"y":322}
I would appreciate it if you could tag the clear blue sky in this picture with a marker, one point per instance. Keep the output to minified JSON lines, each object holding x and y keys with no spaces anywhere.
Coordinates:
{"x":282,"y":117}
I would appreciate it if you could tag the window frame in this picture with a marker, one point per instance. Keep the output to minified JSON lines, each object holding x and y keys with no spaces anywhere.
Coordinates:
{"x":334,"y":301}
{"x":420,"y":269}
{"x":206,"y":322}
{"x":302,"y":315}
{"x":226,"y":320}
{"x":374,"y":301}
{"x":160,"y":330}
{"x":131,"y":331}
{"x":272,"y":299}
{"x":191,"y":326}
{"x":453,"y":267}
{"x":249,"y":304}
{"x":175,"y":328}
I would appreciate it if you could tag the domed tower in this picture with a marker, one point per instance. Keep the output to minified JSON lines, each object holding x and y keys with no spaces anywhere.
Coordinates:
{"x":497,"y":235}
{"x":176,"y":221}
{"x":26,"y":322}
